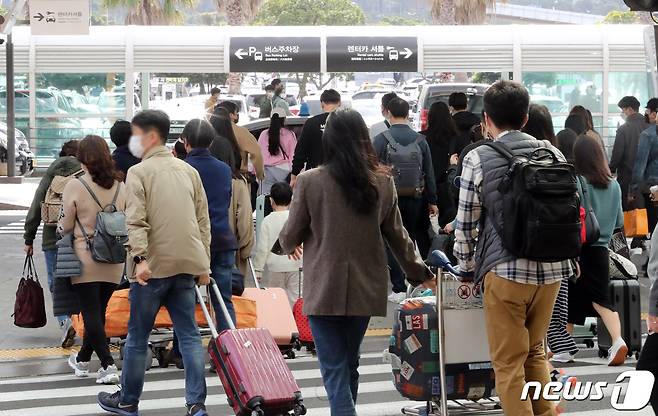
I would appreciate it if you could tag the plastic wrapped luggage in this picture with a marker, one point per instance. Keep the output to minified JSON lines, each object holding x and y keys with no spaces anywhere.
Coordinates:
{"x":252,"y":370}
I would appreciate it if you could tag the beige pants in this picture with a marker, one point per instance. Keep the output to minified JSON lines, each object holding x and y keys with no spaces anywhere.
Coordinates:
{"x":289,"y":281}
{"x":517,"y":317}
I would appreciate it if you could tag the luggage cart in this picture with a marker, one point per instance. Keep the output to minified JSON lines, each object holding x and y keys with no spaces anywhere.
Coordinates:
{"x":442,"y":406}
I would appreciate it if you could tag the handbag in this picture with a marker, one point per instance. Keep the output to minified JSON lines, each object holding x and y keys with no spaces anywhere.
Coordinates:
{"x":619,"y":244}
{"x":621,"y":268}
{"x":30,"y":306}
{"x":68,"y":264}
{"x":591,"y":231}
{"x":636,"y":223}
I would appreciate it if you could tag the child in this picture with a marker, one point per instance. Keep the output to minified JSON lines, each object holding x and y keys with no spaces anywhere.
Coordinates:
{"x":274,"y":270}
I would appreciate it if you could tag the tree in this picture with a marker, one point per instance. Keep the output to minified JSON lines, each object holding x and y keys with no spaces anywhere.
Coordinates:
{"x":152,"y":12}
{"x":238,"y":13}
{"x":310,"y":13}
{"x":621,"y":17}
{"x":399,"y":21}
{"x":460,"y":12}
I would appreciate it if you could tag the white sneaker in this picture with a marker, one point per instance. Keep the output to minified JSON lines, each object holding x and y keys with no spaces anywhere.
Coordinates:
{"x":81,"y":368}
{"x":563,"y":357}
{"x":617,"y":353}
{"x":396,"y":297}
{"x":109,"y":375}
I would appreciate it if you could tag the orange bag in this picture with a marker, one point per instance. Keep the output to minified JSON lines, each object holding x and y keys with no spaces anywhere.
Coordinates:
{"x":245,"y":312}
{"x":636,"y":223}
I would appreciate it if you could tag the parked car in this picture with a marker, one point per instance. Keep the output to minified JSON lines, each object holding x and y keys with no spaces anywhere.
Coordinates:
{"x":240,"y":101}
{"x":254,"y":101}
{"x":79,"y":103}
{"x":440,"y":92}
{"x":24,"y":158}
{"x":115,"y":103}
{"x":315,"y":108}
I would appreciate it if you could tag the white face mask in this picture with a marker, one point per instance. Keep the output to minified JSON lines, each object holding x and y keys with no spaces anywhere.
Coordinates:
{"x":135,"y":146}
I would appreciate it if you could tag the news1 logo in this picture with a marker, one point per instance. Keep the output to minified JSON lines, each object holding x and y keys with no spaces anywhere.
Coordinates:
{"x":638,"y":393}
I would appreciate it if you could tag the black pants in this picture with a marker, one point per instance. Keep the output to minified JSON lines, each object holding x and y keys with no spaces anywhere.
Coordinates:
{"x":649,"y":361}
{"x":93,"y":303}
{"x":652,"y":212}
{"x":411,"y":210}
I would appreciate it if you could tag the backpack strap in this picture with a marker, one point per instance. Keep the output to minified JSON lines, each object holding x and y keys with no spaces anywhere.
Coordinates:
{"x":389,"y":138}
{"x":501,"y":148}
{"x":93,"y":195}
{"x":116,"y":196}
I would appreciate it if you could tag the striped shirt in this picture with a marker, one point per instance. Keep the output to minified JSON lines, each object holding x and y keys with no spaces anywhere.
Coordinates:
{"x":468,"y":219}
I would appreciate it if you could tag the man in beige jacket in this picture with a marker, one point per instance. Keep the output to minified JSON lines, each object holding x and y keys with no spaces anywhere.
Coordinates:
{"x":169,"y":243}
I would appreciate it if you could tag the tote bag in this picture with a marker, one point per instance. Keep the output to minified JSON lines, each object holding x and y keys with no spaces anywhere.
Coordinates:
{"x":30,"y":307}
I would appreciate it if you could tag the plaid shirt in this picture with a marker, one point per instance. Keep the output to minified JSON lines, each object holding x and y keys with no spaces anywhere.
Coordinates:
{"x":466,"y":232}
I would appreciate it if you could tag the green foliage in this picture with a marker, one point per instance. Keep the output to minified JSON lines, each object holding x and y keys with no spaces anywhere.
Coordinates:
{"x":621,"y":17}
{"x":399,"y":21}
{"x":310,"y":12}
{"x":73,"y":81}
{"x":540,"y":78}
{"x":485,"y":77}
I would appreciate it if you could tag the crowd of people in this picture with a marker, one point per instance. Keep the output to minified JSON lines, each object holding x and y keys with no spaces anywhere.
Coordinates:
{"x":356,"y":204}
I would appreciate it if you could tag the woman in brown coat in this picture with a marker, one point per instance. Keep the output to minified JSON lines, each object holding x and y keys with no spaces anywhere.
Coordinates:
{"x":344,"y":212}
{"x":97,"y":282}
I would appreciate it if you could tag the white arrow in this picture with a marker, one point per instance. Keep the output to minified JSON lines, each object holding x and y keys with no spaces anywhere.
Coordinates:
{"x":241,"y":53}
{"x":407,"y":53}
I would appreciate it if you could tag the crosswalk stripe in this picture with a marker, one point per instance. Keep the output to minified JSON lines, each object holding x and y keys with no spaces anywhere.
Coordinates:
{"x":163,"y":385}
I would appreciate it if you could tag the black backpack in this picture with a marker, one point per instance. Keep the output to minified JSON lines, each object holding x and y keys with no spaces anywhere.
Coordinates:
{"x":541,"y":206}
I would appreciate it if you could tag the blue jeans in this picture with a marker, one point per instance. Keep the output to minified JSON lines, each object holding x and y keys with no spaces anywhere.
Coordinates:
{"x":177,"y":294}
{"x":338,"y":343}
{"x":51,"y":264}
{"x":221,"y":267}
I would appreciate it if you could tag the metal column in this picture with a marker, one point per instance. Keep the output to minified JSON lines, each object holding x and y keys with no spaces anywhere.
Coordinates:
{"x":11,"y":109}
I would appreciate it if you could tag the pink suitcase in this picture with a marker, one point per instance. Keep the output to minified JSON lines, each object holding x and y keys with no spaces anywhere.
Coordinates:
{"x":275,"y":314}
{"x":252,"y":370}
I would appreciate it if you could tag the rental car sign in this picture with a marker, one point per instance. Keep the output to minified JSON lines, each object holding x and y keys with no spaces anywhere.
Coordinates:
{"x":59,"y":17}
{"x":372,"y":54}
{"x":289,"y":54}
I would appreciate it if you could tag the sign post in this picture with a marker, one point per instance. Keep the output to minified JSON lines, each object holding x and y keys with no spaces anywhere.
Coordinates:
{"x":285,"y":54}
{"x":372,"y":54}
{"x":59,"y":17}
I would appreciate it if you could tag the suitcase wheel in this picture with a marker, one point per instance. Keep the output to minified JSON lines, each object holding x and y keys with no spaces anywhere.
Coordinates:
{"x":291,"y":354}
{"x":589,"y":343}
{"x":603,"y":353}
{"x":299,"y":409}
{"x":257,"y":411}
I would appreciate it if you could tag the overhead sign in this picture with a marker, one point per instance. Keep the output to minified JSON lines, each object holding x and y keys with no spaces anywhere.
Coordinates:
{"x":248,"y":54}
{"x":372,"y":54}
{"x":59,"y":17}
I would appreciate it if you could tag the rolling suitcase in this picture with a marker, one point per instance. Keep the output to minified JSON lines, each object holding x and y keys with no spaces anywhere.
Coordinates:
{"x":625,"y":297}
{"x":303,"y":326}
{"x":274,"y":314}
{"x":585,"y":334}
{"x":255,"y":376}
{"x":263,"y":209}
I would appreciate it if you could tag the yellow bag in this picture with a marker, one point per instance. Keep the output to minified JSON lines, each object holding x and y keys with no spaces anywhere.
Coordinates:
{"x":245,"y":312}
{"x":636,"y":223}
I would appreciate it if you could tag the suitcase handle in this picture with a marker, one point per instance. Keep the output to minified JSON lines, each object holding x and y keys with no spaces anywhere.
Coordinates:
{"x":206,"y":313}
{"x":253,"y":272}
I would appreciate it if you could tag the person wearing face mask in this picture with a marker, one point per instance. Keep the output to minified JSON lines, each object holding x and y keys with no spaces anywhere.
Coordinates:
{"x":169,"y":234}
{"x":279,"y":98}
{"x":266,"y":104}
{"x":625,"y":147}
{"x":645,"y":169}
{"x":211,"y":102}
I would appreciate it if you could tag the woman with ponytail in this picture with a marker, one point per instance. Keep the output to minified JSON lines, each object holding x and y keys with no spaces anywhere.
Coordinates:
{"x":278,"y":146}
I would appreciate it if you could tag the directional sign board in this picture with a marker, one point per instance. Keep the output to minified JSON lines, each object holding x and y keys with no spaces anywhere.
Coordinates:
{"x":59,"y":17}
{"x":248,"y":54}
{"x":372,"y":54}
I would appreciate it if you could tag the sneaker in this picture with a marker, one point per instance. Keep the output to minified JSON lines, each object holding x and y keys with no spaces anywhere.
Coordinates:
{"x":563,"y":357}
{"x":109,"y":375}
{"x":196,"y":410}
{"x":617,"y":353}
{"x":397,"y":297}
{"x":68,"y":334}
{"x":111,"y":402}
{"x":81,"y":368}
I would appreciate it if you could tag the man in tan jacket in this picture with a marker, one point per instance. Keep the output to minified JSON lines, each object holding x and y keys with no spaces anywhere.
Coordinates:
{"x":169,"y":243}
